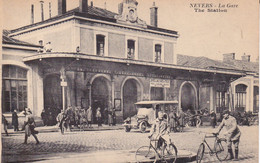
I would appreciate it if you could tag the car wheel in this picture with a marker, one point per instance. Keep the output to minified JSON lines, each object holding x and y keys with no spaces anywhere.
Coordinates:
{"x":143,"y":127}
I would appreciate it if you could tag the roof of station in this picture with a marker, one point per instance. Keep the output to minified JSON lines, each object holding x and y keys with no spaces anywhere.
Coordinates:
{"x":94,"y":13}
{"x":10,"y":40}
{"x":207,"y":63}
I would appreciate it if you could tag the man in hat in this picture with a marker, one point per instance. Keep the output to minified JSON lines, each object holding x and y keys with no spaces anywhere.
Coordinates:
{"x":160,"y":129}
{"x":26,"y":112}
{"x":213,"y":119}
{"x":30,"y":127}
{"x":232,"y":133}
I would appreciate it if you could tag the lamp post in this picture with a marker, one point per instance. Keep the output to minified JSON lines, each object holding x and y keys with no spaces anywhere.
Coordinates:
{"x":63,"y":85}
{"x":89,"y":93}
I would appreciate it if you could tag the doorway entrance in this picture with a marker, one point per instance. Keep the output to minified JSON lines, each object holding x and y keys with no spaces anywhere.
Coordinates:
{"x":99,"y":95}
{"x":188,"y":97}
{"x":129,"y":98}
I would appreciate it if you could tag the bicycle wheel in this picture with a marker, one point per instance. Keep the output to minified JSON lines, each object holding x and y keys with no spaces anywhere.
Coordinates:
{"x":200,"y":153}
{"x":187,"y":122}
{"x":170,"y":153}
{"x":198,"y":122}
{"x":221,"y":149}
{"x":144,"y":154}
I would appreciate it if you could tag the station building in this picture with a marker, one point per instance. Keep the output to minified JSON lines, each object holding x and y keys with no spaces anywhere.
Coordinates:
{"x":98,"y":58}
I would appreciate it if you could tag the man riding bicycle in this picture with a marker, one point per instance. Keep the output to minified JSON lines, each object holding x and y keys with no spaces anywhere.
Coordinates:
{"x":232,"y":133}
{"x":160,"y":129}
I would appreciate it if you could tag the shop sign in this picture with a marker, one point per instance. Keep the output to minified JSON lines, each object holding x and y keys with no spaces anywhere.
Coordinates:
{"x":160,"y":83}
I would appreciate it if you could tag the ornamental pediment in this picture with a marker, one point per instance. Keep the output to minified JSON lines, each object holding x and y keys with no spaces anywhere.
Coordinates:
{"x":128,"y":14}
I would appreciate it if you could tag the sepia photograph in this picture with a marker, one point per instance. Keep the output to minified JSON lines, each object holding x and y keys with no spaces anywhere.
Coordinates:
{"x":130,"y":81}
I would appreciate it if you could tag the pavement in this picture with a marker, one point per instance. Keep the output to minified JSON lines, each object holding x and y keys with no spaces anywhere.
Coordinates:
{"x":109,"y":144}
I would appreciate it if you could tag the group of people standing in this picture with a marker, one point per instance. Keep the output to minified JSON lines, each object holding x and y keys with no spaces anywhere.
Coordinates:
{"x":81,"y":117}
{"x":49,"y":115}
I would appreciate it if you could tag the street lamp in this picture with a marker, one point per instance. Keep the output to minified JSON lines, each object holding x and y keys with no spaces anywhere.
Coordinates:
{"x":89,"y":92}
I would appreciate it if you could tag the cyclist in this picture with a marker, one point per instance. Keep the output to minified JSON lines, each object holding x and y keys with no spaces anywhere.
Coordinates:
{"x":160,"y":129}
{"x":60,"y":119}
{"x":232,"y":133}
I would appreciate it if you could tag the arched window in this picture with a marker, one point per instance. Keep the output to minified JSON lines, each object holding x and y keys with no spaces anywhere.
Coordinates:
{"x":256,"y":99}
{"x":221,"y":98}
{"x":14,"y":93}
{"x":241,"y":97}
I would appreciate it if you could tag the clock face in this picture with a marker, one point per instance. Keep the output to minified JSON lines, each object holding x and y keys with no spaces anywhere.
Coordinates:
{"x":132,"y":16}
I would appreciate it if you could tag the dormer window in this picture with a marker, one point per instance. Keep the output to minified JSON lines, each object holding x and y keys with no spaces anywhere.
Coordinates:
{"x":158,"y":53}
{"x":130,"y":49}
{"x":100,"y":39}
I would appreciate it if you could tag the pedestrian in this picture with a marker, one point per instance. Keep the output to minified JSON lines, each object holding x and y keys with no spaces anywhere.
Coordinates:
{"x":15,"y":120}
{"x":60,"y":119}
{"x":232,"y":134}
{"x":171,"y":121}
{"x":5,"y":124}
{"x":105,"y":116}
{"x":110,"y":118}
{"x":89,"y":116}
{"x":25,"y":112}
{"x":213,"y":119}
{"x":50,"y":119}
{"x":98,"y":116}
{"x":83,"y":119}
{"x":44,"y":117}
{"x":69,"y":114}
{"x":181,"y":119}
{"x":30,"y":129}
{"x":113,"y":116}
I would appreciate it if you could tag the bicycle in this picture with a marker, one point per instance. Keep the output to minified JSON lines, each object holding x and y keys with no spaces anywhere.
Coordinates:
{"x":192,"y":120}
{"x":220,"y":148}
{"x":157,"y":152}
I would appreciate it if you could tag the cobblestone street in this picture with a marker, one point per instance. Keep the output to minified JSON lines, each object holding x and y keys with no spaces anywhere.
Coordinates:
{"x":56,"y":146}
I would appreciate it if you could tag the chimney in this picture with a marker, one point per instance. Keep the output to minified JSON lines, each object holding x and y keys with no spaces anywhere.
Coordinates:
{"x":42,"y":13}
{"x":50,"y":9}
{"x":228,"y":57}
{"x":32,"y":14}
{"x":154,"y":15}
{"x":246,"y":58}
{"x":61,"y":7}
{"x":91,"y":3}
{"x":120,"y":8}
{"x":83,"y":6}
{"x":105,"y":5}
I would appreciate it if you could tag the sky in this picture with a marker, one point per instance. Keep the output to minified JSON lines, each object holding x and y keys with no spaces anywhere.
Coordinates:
{"x":209,"y":34}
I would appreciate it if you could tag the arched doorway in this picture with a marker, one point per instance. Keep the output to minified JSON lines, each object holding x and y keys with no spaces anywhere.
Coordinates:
{"x":52,"y":92}
{"x":256,"y":99}
{"x":130,"y":96}
{"x":188,"y":97}
{"x":52,"y":97}
{"x":240,"y":97}
{"x":99,"y":95}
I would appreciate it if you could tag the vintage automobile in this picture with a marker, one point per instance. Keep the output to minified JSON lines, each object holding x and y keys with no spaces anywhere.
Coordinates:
{"x":147,"y":112}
